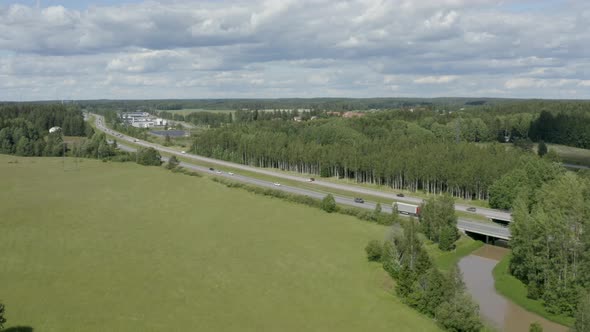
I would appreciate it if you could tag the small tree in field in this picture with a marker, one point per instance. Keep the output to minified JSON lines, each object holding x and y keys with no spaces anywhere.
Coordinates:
{"x":172,"y":163}
{"x":535,"y":327}
{"x":329,"y":203}
{"x":542,"y":149}
{"x":374,"y":251}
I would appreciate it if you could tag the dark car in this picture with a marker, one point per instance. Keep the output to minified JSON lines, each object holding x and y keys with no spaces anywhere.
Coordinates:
{"x":400,"y":195}
{"x":359,"y":200}
{"x":211,"y":169}
{"x":471,"y":209}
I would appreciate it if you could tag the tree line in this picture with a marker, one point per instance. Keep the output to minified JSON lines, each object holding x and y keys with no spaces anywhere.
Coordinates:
{"x":551,"y":244}
{"x":567,"y":128}
{"x":396,"y":153}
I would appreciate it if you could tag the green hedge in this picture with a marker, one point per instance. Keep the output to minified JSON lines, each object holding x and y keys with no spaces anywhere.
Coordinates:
{"x":381,"y":218}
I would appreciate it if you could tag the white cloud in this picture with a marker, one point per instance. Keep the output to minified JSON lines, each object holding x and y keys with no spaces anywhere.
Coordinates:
{"x":168,"y":48}
{"x":435,"y":79}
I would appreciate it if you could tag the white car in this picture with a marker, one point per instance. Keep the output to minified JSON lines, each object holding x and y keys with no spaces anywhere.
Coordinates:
{"x":230,"y":173}
{"x":183,"y":152}
{"x":277,"y":184}
{"x":218,"y":172}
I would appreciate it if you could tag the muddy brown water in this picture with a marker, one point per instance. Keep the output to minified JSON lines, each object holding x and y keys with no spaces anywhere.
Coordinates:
{"x":500,"y":312}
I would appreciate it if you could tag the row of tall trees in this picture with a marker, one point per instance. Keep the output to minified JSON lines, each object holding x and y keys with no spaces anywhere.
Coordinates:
{"x":396,"y":153}
{"x":421,"y":285}
{"x":551,"y":242}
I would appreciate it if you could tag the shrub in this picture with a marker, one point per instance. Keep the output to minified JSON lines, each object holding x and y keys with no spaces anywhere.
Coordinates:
{"x":374,"y":250}
{"x":148,"y":157}
{"x":329,"y":204}
{"x":535,"y":327}
{"x":459,"y":314}
{"x":172,"y":162}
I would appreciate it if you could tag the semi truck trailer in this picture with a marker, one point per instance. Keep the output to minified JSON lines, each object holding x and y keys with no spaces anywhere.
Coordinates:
{"x":409,"y":209}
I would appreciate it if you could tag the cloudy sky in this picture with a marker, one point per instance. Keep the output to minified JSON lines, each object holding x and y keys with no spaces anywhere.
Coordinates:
{"x":77,"y":49}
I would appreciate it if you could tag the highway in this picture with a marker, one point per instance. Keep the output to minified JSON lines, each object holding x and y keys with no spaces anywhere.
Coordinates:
{"x":463,"y":224}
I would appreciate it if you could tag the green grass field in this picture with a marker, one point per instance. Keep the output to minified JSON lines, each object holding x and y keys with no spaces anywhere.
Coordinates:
{"x":122,"y":247}
{"x":516,"y":291}
{"x":571,"y":155}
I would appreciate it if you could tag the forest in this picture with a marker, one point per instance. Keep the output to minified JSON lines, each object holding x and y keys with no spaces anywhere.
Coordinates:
{"x":463,"y":152}
{"x":24,"y":129}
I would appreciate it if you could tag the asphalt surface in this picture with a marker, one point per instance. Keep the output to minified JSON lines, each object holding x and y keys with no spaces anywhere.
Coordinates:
{"x":463,"y":224}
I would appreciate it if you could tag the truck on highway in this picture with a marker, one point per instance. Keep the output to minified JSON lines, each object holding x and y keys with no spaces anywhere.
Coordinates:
{"x":409,"y":209}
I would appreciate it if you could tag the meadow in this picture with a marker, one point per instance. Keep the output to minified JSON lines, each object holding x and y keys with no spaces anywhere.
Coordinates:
{"x":94,"y":246}
{"x":571,"y":155}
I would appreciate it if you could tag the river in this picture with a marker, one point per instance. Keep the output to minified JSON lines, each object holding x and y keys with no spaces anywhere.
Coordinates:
{"x":494,"y":308}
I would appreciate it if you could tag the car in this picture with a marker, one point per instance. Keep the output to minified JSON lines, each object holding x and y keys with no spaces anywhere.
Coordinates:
{"x":400,"y":195}
{"x":230,"y":173}
{"x":218,"y":172}
{"x":311,"y":180}
{"x":211,"y":169}
{"x":359,"y":200}
{"x":183,"y":152}
{"x":471,"y":209}
{"x":277,"y":184}
{"x":135,"y":140}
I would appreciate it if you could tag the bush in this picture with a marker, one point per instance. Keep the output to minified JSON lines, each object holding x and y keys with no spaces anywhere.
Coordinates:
{"x":459,"y":314}
{"x":148,"y":157}
{"x":533,"y":290}
{"x":124,"y":157}
{"x":448,"y":236}
{"x":542,"y":149}
{"x":374,"y":250}
{"x":172,"y":162}
{"x":535,"y":327}
{"x":2,"y":319}
{"x":329,"y":204}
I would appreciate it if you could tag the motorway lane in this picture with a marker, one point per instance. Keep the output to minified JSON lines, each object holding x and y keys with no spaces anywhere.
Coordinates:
{"x":464,"y":224}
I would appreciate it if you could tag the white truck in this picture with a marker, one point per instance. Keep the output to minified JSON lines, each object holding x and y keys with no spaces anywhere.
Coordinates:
{"x":409,"y":209}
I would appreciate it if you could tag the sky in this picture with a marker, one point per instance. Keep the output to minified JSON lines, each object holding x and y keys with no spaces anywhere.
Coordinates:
{"x":154,"y":49}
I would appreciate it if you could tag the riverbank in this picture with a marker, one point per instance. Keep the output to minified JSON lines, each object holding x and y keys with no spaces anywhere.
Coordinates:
{"x":445,"y":260}
{"x":496,"y":310}
{"x":516,"y":291}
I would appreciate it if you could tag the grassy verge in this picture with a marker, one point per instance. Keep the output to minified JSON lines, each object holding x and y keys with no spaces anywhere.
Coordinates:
{"x":516,"y":291}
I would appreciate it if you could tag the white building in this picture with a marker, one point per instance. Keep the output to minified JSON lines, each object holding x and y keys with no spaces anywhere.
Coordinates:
{"x":142,"y":120}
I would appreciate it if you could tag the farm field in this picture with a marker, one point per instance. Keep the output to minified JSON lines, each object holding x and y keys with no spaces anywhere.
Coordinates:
{"x":123,"y":247}
{"x":571,"y":155}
